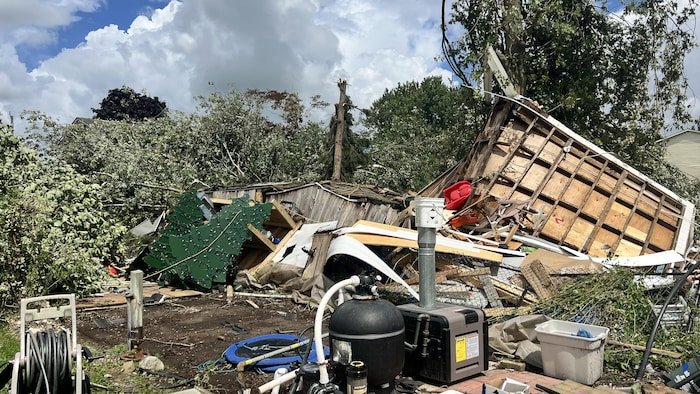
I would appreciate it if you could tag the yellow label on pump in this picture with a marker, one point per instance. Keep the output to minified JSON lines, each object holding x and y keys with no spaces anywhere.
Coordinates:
{"x":461,"y":348}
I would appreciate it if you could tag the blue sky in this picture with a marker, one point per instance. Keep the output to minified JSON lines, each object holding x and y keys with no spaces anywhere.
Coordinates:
{"x":62,"y":56}
{"x":118,"y":12}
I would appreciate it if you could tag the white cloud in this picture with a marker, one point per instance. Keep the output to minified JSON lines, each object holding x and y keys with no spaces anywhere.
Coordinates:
{"x":185,"y":47}
{"x":34,"y":21}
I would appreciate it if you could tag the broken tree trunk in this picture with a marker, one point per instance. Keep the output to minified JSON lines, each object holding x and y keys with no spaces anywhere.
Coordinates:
{"x":339,"y":131}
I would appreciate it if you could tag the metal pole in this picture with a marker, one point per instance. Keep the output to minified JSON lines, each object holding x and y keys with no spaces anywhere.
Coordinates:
{"x":134,"y":300}
{"x":426,"y":267}
{"x":428,"y":220}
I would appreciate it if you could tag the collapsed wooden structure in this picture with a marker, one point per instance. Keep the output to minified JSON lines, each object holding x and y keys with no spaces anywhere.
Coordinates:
{"x":572,"y":192}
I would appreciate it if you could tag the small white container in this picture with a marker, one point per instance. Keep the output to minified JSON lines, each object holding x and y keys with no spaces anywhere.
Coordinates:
{"x":567,"y":356}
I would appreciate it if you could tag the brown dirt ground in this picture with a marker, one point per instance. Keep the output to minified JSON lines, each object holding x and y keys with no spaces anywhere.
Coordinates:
{"x":200,"y":321}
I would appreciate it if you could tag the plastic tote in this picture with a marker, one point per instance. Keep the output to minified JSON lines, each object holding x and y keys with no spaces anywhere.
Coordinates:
{"x":565,"y":355}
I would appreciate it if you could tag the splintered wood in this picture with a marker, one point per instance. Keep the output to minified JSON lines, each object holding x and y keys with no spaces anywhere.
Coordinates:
{"x":572,"y":192}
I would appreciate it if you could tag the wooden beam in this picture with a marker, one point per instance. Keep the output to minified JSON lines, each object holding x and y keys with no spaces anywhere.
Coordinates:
{"x":268,"y":260}
{"x":550,"y":172}
{"x":629,"y":218}
{"x":563,"y":190}
{"x":383,"y":240}
{"x":511,"y":154}
{"x":585,"y":199}
{"x":654,"y":223}
{"x":490,"y":291}
{"x":513,"y":291}
{"x":260,"y":238}
{"x":660,"y":352}
{"x":532,"y":161}
{"x":538,"y":278}
{"x":280,"y":217}
{"x":602,"y":216}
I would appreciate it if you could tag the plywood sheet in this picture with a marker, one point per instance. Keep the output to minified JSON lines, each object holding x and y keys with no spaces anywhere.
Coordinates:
{"x":575,"y":193}
{"x":557,"y":224}
{"x":555,"y":186}
{"x":595,"y":204}
{"x":661,"y":237}
{"x":534,"y":176}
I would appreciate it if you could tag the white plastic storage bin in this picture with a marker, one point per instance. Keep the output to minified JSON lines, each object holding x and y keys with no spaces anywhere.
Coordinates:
{"x":567,"y":356}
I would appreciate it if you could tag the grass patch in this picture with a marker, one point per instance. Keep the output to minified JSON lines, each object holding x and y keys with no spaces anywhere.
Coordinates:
{"x":109,"y":371}
{"x":9,"y":345}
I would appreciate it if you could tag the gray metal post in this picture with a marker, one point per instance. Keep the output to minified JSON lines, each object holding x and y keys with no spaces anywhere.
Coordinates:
{"x":428,"y":220}
{"x":134,"y":299}
{"x":426,"y":267}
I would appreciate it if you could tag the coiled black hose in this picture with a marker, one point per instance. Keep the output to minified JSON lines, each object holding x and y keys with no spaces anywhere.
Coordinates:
{"x":48,"y":365}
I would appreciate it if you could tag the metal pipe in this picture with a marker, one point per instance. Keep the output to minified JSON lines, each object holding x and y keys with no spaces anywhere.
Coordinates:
{"x":426,"y":267}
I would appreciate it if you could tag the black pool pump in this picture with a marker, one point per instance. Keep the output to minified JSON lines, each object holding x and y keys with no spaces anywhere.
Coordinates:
{"x":368,"y":329}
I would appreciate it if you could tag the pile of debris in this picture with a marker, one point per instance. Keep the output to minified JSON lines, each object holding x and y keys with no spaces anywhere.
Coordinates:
{"x":532,"y":211}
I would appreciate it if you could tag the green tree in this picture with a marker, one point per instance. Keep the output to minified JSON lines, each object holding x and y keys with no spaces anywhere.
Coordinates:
{"x":615,"y":78}
{"x":56,"y":235}
{"x":126,"y":104}
{"x":232,"y":139}
{"x":418,"y":130}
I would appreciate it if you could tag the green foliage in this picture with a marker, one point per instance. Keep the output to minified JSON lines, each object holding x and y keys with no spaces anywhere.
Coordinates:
{"x":200,"y":254}
{"x":614,"y":300}
{"x":417,"y":131}
{"x":144,"y":166}
{"x":631,"y":88}
{"x":56,"y":234}
{"x":126,"y":104}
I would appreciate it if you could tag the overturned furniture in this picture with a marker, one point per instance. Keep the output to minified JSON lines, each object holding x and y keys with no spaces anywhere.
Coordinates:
{"x":566,"y":189}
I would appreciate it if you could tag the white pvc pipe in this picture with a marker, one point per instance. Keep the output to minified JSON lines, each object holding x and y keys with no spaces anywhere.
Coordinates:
{"x":279,"y":372}
{"x":318,"y":325}
{"x":276,"y":382}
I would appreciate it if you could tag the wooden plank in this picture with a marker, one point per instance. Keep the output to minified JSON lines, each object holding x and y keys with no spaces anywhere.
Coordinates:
{"x":260,"y":239}
{"x":118,"y":299}
{"x":654,"y":350}
{"x":581,"y":206}
{"x":268,"y":260}
{"x":382,"y":240}
{"x":279,"y":217}
{"x":535,"y":154}
{"x":546,"y":178}
{"x":507,"y":311}
{"x":654,"y":223}
{"x":603,"y":215}
{"x":630,"y":214}
{"x":503,"y":287}
{"x":319,"y":245}
{"x":561,"y":193}
{"x":514,"y":149}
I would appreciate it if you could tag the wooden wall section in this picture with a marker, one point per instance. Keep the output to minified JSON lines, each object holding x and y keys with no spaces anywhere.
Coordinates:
{"x":582,"y":196}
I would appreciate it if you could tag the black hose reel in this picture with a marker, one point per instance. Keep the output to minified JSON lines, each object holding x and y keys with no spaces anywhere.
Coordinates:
{"x":50,"y":360}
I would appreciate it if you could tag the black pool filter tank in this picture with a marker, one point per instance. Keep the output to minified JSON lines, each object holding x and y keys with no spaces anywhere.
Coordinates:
{"x":370,"y":330}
